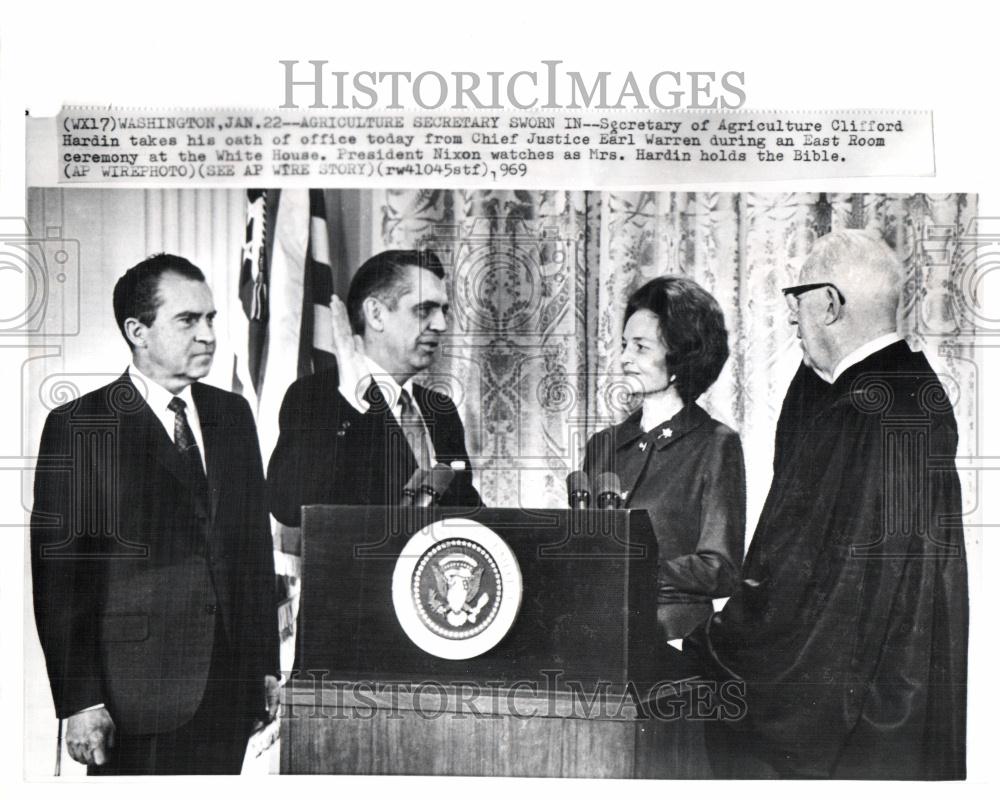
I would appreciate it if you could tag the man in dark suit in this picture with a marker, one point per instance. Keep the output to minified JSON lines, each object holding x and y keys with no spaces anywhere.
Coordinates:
{"x":850,"y":627}
{"x":152,"y":558}
{"x":356,"y":433}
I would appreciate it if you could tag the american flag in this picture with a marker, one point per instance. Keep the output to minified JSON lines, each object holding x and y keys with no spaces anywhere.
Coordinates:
{"x":285,"y":288}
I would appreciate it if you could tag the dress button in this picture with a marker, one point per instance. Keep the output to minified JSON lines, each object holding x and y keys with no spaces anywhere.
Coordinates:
{"x":341,"y":433}
{"x":209,"y":608}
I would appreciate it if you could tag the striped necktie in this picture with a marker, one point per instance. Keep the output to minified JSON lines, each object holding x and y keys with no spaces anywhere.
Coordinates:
{"x":187,"y":446}
{"x":412,"y":422}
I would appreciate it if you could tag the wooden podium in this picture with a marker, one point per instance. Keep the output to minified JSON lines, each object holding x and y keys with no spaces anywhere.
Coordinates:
{"x":576,"y":688}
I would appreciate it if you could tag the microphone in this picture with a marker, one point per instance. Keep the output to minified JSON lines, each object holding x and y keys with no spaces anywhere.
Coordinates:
{"x":578,"y":489}
{"x":426,"y":486}
{"x":608,"y":490}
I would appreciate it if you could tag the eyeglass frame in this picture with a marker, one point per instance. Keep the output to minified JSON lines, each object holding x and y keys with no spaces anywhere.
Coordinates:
{"x":802,"y":288}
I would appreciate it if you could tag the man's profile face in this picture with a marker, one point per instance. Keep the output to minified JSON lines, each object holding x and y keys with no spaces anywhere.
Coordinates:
{"x":806,"y":312}
{"x":178,"y":347}
{"x":413,"y":329}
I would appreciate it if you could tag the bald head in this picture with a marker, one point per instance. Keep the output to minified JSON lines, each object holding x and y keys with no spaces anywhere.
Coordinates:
{"x":858,"y":281}
{"x":865,"y":270}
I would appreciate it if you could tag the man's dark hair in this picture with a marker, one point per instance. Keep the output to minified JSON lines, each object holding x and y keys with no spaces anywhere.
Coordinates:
{"x":137,"y":291}
{"x":384,"y":276}
{"x":691,"y":326}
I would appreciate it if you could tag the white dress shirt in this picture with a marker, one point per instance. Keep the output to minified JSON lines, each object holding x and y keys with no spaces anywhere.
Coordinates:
{"x":390,"y":389}
{"x":158,"y":399}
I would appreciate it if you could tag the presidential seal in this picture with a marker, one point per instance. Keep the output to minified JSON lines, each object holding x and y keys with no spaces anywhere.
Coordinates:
{"x":456,"y":589}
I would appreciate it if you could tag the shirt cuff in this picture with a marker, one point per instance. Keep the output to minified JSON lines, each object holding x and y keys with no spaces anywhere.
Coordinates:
{"x":88,"y":708}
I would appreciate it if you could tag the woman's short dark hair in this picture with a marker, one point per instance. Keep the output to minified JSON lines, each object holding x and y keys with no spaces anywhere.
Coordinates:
{"x":384,"y":276}
{"x":137,"y":293}
{"x":691,"y":326}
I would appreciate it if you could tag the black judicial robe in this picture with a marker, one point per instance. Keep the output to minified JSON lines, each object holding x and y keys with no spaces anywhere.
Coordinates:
{"x":850,"y":628}
{"x":802,"y":401}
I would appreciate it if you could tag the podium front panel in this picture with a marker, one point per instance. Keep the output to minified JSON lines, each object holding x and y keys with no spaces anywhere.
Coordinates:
{"x":587,"y":612}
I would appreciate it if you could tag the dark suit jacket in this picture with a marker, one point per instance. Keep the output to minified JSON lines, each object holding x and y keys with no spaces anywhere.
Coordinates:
{"x":330,"y":453}
{"x":688,"y":474}
{"x":130,"y":568}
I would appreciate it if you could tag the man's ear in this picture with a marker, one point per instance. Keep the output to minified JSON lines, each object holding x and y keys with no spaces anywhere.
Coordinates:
{"x":136,"y":332}
{"x":834,"y":308}
{"x":373,"y":308}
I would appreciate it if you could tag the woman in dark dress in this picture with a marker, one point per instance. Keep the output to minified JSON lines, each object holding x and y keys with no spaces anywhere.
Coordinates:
{"x":674,"y":460}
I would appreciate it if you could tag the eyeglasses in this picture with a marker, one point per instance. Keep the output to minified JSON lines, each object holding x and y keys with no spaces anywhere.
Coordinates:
{"x":792,"y":293}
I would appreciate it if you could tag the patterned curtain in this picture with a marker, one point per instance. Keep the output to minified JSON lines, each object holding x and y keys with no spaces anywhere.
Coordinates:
{"x":540,"y":281}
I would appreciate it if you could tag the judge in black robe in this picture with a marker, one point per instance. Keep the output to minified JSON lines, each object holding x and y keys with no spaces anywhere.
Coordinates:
{"x":850,"y":627}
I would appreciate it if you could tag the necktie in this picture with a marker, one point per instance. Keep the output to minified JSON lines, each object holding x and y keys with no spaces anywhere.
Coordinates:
{"x":187,"y":446}
{"x":412,"y":422}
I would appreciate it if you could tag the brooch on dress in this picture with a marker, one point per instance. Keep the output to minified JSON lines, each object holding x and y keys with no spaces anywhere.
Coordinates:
{"x":666,"y":433}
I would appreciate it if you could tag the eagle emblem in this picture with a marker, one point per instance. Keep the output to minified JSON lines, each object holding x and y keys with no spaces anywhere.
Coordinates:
{"x":454,"y":596}
{"x":456,"y":589}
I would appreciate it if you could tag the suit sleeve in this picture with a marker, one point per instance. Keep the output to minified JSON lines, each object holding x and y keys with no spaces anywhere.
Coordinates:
{"x":596,"y":456}
{"x":304,"y":464}
{"x":284,"y":472}
{"x":262,"y":604}
{"x":462,"y":492}
{"x":324,"y":451}
{"x":713,"y":569}
{"x":65,"y":575}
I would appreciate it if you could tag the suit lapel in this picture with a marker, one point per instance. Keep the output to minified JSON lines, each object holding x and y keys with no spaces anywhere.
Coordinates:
{"x":152,"y":432}
{"x":208,"y":417}
{"x":629,"y":436}
{"x":400,"y":463}
{"x":632,"y":470}
{"x":436,"y":423}
{"x":153,"y":436}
